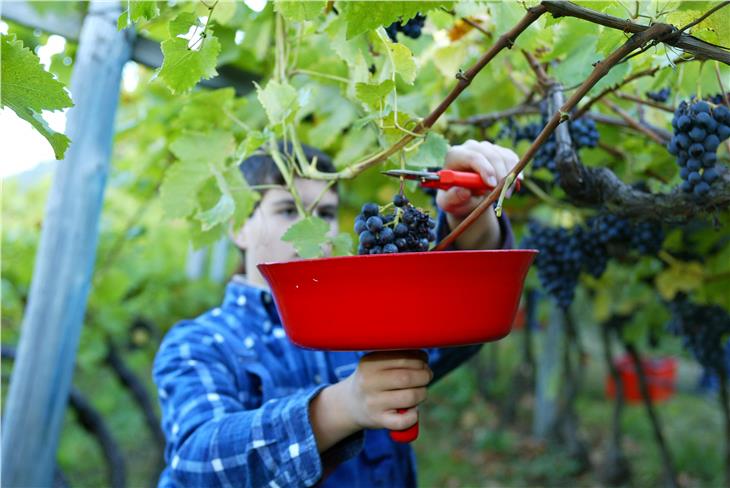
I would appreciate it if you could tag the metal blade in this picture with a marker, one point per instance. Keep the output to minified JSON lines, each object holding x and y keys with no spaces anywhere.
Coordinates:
{"x":412,"y":175}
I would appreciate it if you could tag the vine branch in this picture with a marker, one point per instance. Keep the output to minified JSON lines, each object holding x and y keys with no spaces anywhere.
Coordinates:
{"x":656,"y":31}
{"x":676,"y":38}
{"x":464,"y":80}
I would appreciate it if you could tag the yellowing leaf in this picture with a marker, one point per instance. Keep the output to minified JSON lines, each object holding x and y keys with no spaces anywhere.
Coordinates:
{"x":679,"y":277}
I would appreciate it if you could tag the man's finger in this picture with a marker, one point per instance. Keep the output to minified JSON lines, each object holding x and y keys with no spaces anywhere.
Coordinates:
{"x":460,"y":158}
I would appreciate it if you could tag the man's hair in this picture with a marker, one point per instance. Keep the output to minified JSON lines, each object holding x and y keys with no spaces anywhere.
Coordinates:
{"x":260,"y":168}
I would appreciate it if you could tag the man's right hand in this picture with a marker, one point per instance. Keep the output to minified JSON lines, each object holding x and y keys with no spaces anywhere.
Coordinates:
{"x":385,"y":382}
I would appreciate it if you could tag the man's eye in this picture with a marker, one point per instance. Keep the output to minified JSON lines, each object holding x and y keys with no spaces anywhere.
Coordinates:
{"x":288,"y":211}
{"x":327,"y":215}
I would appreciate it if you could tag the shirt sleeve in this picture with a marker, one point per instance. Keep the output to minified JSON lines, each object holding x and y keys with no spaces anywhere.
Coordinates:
{"x":212,"y":438}
{"x":443,"y":360}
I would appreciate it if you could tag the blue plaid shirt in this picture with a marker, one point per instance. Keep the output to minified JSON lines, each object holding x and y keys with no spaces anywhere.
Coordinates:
{"x":235,"y":396}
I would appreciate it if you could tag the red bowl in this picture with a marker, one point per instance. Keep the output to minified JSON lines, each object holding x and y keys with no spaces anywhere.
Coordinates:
{"x":399,"y":301}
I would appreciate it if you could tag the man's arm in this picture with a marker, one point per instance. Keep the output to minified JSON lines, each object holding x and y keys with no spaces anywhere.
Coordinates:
{"x":216,"y":435}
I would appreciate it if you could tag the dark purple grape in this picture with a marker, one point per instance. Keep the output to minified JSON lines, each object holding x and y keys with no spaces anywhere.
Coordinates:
{"x":374,"y":224}
{"x":370,"y":210}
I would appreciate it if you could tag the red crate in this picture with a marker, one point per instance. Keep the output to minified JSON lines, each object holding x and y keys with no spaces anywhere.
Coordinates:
{"x":661,"y":375}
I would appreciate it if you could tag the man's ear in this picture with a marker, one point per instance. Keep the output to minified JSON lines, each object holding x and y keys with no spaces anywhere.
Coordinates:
{"x":239,"y":237}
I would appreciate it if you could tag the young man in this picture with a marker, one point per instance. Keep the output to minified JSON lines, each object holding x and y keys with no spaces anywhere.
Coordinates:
{"x":243,"y":406}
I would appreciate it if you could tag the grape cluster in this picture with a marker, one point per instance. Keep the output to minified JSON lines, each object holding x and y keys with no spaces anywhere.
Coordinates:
{"x":412,"y":28}
{"x":719,"y":99}
{"x":698,"y":131}
{"x":705,"y":330}
{"x":660,"y":96}
{"x":610,"y":228}
{"x":566,"y":253}
{"x":558,"y":263}
{"x":405,"y":229}
{"x":646,"y":236}
{"x":583,"y":132}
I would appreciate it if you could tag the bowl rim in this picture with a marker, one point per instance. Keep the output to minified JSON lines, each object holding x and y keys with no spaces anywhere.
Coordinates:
{"x":402,"y":254}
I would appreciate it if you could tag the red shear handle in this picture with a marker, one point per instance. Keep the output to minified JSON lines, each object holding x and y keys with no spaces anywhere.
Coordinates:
{"x":449,"y":178}
{"x":408,"y":435}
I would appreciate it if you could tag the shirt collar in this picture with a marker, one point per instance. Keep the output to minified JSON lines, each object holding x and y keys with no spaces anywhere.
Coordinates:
{"x":242,"y":293}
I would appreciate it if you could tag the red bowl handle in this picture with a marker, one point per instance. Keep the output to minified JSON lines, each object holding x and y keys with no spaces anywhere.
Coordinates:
{"x":408,"y":435}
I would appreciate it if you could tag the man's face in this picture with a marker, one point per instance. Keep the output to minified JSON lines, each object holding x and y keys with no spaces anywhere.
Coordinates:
{"x":260,"y":237}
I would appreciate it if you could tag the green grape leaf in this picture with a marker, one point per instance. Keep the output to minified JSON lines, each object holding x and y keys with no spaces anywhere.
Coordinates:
{"x":449,"y":59}
{"x":362,"y":16}
{"x":400,"y":61}
{"x":342,"y":244}
{"x":336,"y":114}
{"x":212,"y":147}
{"x":354,"y":52}
{"x":243,"y":196}
{"x":180,"y":186}
{"x":182,"y":23}
{"x":183,"y":67}
{"x":200,"y":238}
{"x":280,"y":101}
{"x":253,"y":141}
{"x":137,"y":10}
{"x":431,"y":152}
{"x":199,"y":153}
{"x":714,"y":28}
{"x":224,"y":12}
{"x":220,"y":213}
{"x":308,"y":236}
{"x":206,"y":110}
{"x":372,"y":94}
{"x":28,"y":89}
{"x":300,"y":10}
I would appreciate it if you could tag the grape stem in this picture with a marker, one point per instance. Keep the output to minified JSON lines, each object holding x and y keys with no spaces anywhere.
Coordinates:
{"x":633,"y":123}
{"x":650,"y":103}
{"x":640,"y":74}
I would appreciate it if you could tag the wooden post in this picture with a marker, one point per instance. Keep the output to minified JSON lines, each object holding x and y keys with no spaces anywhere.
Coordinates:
{"x":218,"y":258}
{"x":64,"y":264}
{"x":549,"y":371}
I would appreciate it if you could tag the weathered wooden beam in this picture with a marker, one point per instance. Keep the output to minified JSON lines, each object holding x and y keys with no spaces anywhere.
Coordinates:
{"x":41,"y":378}
{"x":145,"y":51}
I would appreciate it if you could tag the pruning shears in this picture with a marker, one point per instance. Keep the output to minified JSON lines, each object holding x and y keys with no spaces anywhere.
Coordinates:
{"x":445,"y":179}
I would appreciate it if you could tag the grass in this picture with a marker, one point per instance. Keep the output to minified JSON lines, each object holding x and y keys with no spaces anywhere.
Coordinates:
{"x":462,"y":445}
